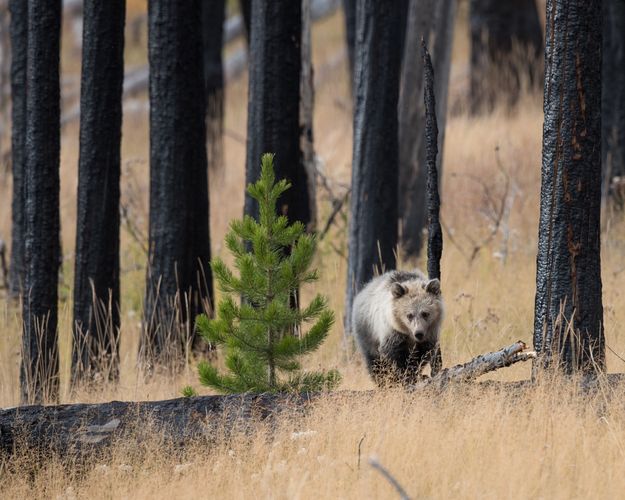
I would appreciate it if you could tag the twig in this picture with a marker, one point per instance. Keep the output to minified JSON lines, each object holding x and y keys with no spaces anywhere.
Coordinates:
{"x":3,"y":265}
{"x":435,"y":234}
{"x":373,"y":462}
{"x":359,"y":446}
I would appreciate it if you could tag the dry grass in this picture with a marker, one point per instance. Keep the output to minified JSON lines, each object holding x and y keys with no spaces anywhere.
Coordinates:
{"x":476,"y":444}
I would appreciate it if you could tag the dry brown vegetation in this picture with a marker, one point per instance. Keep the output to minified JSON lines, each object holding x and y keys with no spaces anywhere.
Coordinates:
{"x":466,"y":444}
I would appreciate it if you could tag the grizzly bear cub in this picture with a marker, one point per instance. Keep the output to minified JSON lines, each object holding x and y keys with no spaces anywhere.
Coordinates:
{"x":396,"y":320}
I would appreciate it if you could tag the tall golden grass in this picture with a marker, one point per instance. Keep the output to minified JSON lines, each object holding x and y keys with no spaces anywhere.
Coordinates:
{"x":474,"y":443}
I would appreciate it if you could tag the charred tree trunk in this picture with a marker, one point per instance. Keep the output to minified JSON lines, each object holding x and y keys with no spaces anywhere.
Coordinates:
{"x":274,"y":102}
{"x":613,"y":100}
{"x":213,"y":12}
{"x":5,"y":78}
{"x":435,"y":234}
{"x":95,"y":348}
{"x":19,"y":49}
{"x":246,"y":13}
{"x":349,"y":11}
{"x":432,"y":20}
{"x":39,"y":374}
{"x":179,"y":284}
{"x":373,"y":227}
{"x":568,"y":324}
{"x":506,"y":47}
{"x":307,"y":109}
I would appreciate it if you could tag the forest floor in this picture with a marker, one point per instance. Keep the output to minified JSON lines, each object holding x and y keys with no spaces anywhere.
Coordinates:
{"x":463,"y":445}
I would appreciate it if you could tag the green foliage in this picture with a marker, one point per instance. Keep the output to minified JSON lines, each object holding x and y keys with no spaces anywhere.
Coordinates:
{"x":188,"y":392}
{"x":261,"y":333}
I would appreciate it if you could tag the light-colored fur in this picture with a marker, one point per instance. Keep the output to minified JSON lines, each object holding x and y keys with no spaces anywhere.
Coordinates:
{"x":397,"y":307}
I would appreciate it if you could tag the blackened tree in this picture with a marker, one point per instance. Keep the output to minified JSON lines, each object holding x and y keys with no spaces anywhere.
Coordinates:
{"x":39,"y":374}
{"x":179,"y":284}
{"x":96,"y":278}
{"x":19,"y":48}
{"x":506,"y":46}
{"x":349,"y":11}
{"x":568,"y":322}
{"x":246,"y":13}
{"x":613,"y":98}
{"x":373,"y":227}
{"x":213,"y":12}
{"x":434,"y":21}
{"x":274,"y":102}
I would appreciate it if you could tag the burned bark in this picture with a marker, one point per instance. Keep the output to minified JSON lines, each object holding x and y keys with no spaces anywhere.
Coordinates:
{"x":432,"y":20}
{"x":274,"y":105}
{"x":213,"y":12}
{"x":568,"y":324}
{"x":373,"y":226}
{"x":307,"y":110}
{"x":506,"y":50}
{"x":179,"y":284}
{"x":246,"y":13}
{"x":40,"y":357}
{"x":349,"y":11}
{"x":613,"y":101}
{"x":95,"y":348}
{"x":435,"y":234}
{"x":83,"y":429}
{"x":19,"y":48}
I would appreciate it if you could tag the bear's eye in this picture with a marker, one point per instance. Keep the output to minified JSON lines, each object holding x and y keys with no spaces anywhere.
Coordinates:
{"x":425,"y":315}
{"x":410,"y":316}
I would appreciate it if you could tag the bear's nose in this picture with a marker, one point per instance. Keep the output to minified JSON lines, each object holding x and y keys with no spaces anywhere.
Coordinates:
{"x":419,"y":336}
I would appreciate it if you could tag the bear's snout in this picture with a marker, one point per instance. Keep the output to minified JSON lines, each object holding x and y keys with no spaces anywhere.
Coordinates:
{"x":419,"y":335}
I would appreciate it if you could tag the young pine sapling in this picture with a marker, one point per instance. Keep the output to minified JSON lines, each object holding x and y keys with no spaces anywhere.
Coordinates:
{"x":261,"y":333}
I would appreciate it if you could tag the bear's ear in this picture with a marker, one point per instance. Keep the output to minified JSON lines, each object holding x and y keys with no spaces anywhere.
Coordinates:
{"x":433,"y":287}
{"x":398,"y":290}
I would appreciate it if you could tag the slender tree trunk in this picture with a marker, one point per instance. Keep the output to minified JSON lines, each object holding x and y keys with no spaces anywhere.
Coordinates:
{"x":19,"y":48}
{"x":95,"y":348}
{"x":349,"y":11}
{"x":246,"y":12}
{"x":213,"y":12}
{"x":40,"y":358}
{"x":434,"y":21}
{"x":274,"y":102}
{"x":613,"y":100}
{"x":569,"y":313}
{"x":179,"y":281}
{"x":506,"y":46}
{"x":373,"y":227}
{"x":307,"y":108}
{"x":5,"y":77}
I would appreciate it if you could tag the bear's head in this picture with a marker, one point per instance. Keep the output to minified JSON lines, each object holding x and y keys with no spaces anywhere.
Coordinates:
{"x":417,"y":309}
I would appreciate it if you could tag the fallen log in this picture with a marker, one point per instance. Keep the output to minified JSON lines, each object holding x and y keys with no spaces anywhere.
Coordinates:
{"x":81,"y":430}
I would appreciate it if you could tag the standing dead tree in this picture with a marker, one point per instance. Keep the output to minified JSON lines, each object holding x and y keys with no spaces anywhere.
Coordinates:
{"x":506,"y":50}
{"x":435,"y":233}
{"x":568,"y":324}
{"x":19,"y":48}
{"x":95,"y":347}
{"x":5,"y":79}
{"x":613,"y":101}
{"x":432,"y":20}
{"x":179,"y":284}
{"x":274,"y":105}
{"x":213,"y":13}
{"x":39,"y":373}
{"x":373,"y":227}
